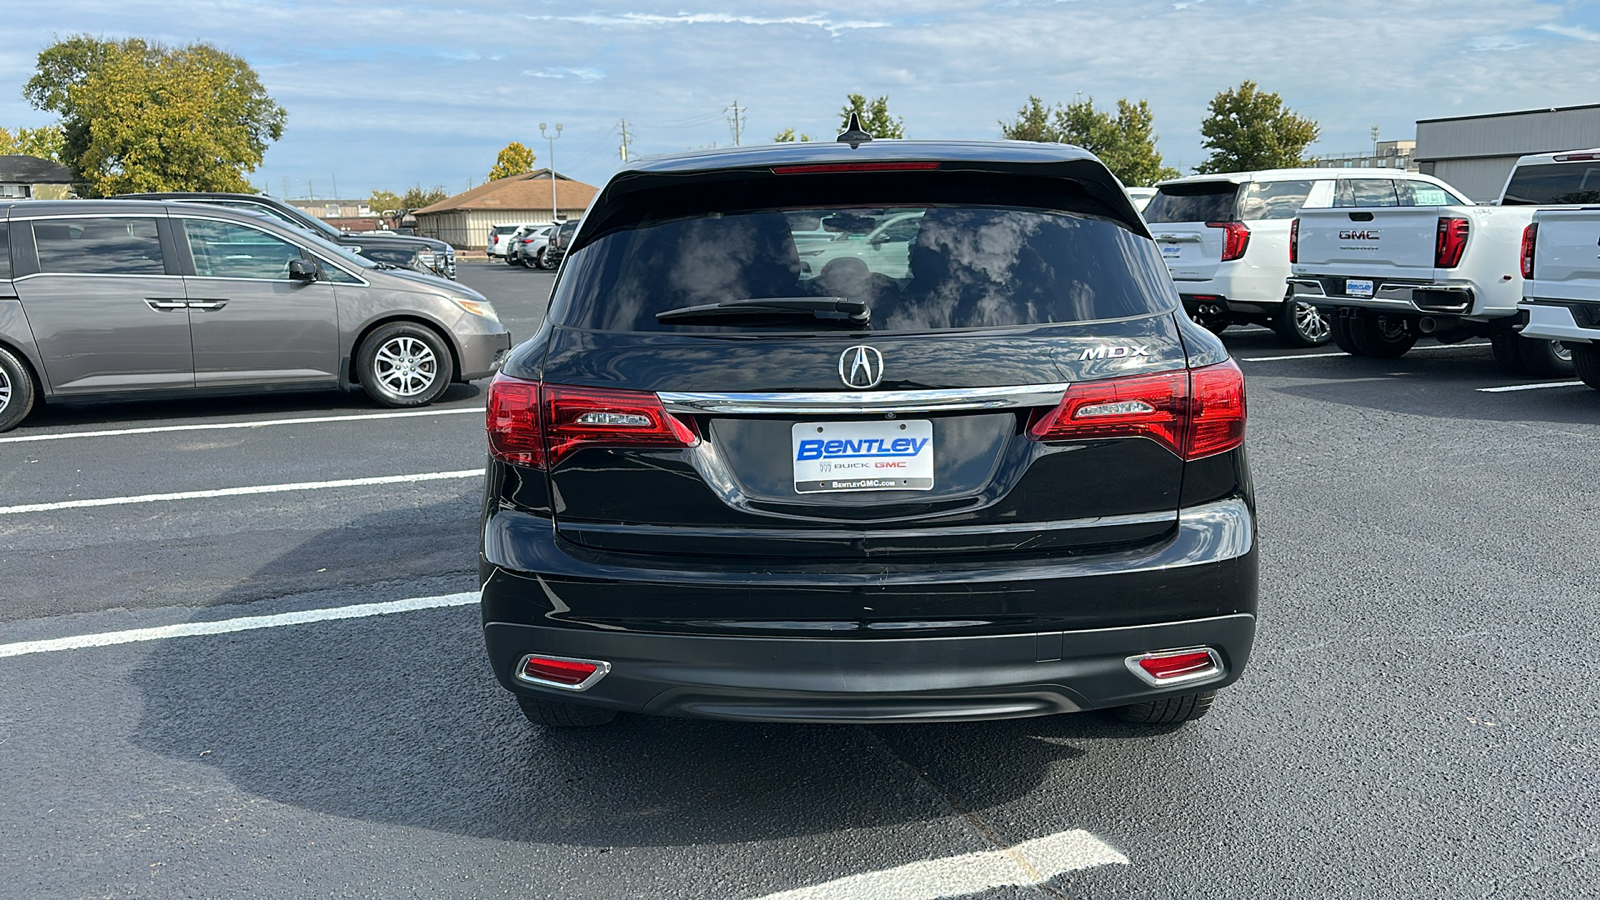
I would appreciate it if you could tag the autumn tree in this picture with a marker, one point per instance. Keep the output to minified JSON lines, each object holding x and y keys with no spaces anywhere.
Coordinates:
{"x":139,"y":116}
{"x":1125,"y":142}
{"x":43,"y":142}
{"x":514,"y":159}
{"x":1250,"y":129}
{"x":788,"y":136}
{"x":874,"y":114}
{"x":416,"y":197}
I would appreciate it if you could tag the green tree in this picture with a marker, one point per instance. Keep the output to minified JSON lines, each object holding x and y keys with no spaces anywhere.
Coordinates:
{"x":514,"y":159}
{"x":416,"y":197}
{"x":43,"y":142}
{"x":788,"y":136}
{"x":383,"y":201}
{"x":875,"y":118}
{"x":1250,"y":129}
{"x":1126,"y":142}
{"x":138,"y":116}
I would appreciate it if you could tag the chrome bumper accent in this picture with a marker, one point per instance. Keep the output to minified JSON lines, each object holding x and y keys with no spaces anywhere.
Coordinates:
{"x":845,"y":402}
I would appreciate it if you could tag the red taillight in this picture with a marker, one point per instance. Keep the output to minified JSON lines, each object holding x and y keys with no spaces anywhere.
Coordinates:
{"x":1294,"y":241}
{"x":1195,"y":413}
{"x":1573,"y":157}
{"x":562,"y":672}
{"x":1530,"y":239}
{"x":1451,"y":241}
{"x":819,"y":168}
{"x":1176,"y":666}
{"x":538,"y":425}
{"x":1235,"y":241}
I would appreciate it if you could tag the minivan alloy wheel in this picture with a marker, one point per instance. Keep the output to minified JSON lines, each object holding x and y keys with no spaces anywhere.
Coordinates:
{"x":16,"y":391}
{"x":406,"y":365}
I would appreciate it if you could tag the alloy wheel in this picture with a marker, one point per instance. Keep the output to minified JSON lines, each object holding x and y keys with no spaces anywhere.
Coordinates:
{"x":5,"y":391}
{"x":1311,"y":323}
{"x":406,"y":366}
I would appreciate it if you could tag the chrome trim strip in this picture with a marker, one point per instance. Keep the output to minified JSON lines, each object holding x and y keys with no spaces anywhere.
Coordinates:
{"x":838,"y":534}
{"x":843,"y":402}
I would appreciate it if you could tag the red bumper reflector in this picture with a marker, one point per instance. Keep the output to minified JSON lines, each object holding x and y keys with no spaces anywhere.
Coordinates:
{"x":562,"y":672}
{"x":1170,"y":667}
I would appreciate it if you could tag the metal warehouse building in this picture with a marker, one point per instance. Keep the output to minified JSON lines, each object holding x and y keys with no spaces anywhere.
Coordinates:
{"x":465,"y":219}
{"x":1476,"y":153}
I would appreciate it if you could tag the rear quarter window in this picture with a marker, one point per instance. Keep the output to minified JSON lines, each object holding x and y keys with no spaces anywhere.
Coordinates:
{"x":99,"y":246}
{"x":5,"y":251}
{"x":1214,"y":201}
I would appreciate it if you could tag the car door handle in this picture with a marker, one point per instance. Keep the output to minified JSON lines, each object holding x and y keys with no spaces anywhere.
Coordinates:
{"x":162,"y":304}
{"x":207,"y":304}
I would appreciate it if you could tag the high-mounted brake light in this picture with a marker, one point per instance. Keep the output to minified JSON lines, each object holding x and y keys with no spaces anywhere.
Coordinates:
{"x":1294,"y":241}
{"x":1575,"y":157}
{"x":1450,"y":242}
{"x":1530,"y":239}
{"x":538,"y":425}
{"x":1194,"y":413}
{"x":821,"y":168}
{"x":1235,"y":241}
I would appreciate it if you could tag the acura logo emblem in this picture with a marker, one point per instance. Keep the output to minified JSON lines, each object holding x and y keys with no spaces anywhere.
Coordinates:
{"x":861,"y":367}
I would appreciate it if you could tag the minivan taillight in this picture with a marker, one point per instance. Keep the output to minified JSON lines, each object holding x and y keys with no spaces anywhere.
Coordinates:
{"x":1235,"y":241}
{"x":538,"y":425}
{"x":1294,"y":241}
{"x":1194,"y":413}
{"x":1530,"y":240}
{"x":1450,"y":242}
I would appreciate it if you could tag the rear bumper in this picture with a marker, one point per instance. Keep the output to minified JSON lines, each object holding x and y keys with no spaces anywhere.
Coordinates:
{"x":933,"y":640}
{"x":482,"y":353}
{"x":1559,"y":322}
{"x":1413,"y":298}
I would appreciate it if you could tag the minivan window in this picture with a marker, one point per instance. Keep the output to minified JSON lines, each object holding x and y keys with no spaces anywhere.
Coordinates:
{"x":99,"y":246}
{"x":1273,"y":200}
{"x":1357,"y":192}
{"x":228,"y":250}
{"x":1554,"y":184}
{"x":5,"y":252}
{"x":918,"y":268}
{"x":1205,"y":201}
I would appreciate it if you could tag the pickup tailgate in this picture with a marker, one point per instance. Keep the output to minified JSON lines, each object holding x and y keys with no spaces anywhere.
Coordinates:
{"x":1388,"y":242}
{"x":1566,"y":263}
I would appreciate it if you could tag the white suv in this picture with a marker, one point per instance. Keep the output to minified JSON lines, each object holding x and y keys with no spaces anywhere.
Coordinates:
{"x":1226,"y":241}
{"x":500,"y":238}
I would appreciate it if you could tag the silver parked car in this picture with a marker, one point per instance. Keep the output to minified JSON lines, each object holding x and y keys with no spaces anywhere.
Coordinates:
{"x":127,"y":298}
{"x":530,"y":247}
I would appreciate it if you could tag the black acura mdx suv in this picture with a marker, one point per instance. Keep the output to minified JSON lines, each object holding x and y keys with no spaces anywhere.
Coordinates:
{"x":904,"y":431}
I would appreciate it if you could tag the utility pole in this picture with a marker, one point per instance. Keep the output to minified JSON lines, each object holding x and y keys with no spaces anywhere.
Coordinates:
{"x":552,"y":139}
{"x":335,"y":186}
{"x":737,"y":121}
{"x":1375,"y":133}
{"x":285,"y":187}
{"x":626,"y":139}
{"x":311,"y":193}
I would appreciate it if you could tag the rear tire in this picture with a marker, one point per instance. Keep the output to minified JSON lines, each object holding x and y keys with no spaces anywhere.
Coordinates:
{"x":1586,"y":361}
{"x":16,"y":391}
{"x":1168,"y":710}
{"x":1339,"y":326}
{"x":1506,"y":353}
{"x":555,"y":714}
{"x":1381,"y":337}
{"x":1301,"y":324}
{"x":1544,"y":359}
{"x":542,"y":260}
{"x":510,"y":260}
{"x":404,"y":365}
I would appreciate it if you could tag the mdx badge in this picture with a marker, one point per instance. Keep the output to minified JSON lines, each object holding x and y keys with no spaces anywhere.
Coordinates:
{"x":1106,"y":351}
{"x":861,"y":367}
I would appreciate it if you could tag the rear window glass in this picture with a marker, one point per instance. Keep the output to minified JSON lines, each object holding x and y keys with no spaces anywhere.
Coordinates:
{"x":1360,"y":192}
{"x":1273,"y":200}
{"x":1554,"y":184}
{"x":1421,"y":193}
{"x":5,"y":251}
{"x":1214,"y":201}
{"x":917,"y":267}
{"x":99,"y":246}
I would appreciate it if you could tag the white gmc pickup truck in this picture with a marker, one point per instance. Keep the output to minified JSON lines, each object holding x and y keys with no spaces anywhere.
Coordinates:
{"x":1388,"y":271}
{"x":1561,"y":281}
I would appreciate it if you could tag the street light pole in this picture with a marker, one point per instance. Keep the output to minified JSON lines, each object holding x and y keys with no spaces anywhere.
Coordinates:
{"x":552,"y":139}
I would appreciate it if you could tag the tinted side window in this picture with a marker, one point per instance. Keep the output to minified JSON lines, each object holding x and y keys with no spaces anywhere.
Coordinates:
{"x":227,"y":250}
{"x":99,"y":246}
{"x":1421,"y":193}
{"x":1365,"y":192}
{"x":1273,"y":200}
{"x":1204,"y":202}
{"x":1554,"y":184}
{"x":5,"y":252}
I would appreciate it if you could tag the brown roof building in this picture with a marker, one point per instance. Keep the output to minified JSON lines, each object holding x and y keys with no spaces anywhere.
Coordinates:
{"x":464,"y":220}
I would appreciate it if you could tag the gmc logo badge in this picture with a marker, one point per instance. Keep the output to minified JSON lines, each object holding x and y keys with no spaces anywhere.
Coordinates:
{"x":1363,"y":235}
{"x":1104,"y":352}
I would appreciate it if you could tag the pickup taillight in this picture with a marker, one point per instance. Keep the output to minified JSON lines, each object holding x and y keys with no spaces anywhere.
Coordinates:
{"x":1530,"y":238}
{"x":1450,"y":242}
{"x":1235,"y":241}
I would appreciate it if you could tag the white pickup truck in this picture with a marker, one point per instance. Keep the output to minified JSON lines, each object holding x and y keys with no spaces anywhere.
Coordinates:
{"x":1389,"y":269}
{"x":1561,"y":280}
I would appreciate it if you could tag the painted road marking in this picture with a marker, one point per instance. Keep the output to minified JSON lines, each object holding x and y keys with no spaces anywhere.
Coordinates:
{"x":1028,"y":864}
{"x":245,"y":623}
{"x":239,"y":491}
{"x":1342,"y":353}
{"x":1530,"y":387}
{"x":220,"y":426}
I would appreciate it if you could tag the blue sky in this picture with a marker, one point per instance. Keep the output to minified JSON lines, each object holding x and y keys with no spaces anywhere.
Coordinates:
{"x":393,"y":93}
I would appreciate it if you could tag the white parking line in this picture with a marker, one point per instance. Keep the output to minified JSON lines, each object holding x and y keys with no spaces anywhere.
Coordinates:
{"x":1530,"y":387}
{"x":1028,"y":864}
{"x":239,"y":491}
{"x":245,"y":623}
{"x":220,"y":426}
{"x":1342,"y":353}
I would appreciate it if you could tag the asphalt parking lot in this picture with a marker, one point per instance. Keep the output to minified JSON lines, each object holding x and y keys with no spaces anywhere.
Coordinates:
{"x":307,"y":710}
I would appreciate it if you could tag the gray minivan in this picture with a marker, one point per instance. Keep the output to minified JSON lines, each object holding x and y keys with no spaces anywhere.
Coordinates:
{"x":125,"y":298}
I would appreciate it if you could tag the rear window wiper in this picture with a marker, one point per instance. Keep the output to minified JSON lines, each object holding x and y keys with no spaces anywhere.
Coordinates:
{"x":825,"y":309}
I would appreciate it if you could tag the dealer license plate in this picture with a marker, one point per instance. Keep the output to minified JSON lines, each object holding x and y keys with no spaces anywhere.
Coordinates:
{"x":1358,"y":287}
{"x":862,"y":456}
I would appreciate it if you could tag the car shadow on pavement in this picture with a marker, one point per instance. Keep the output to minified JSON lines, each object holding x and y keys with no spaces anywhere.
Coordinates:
{"x":136,"y":413}
{"x":397,"y":720}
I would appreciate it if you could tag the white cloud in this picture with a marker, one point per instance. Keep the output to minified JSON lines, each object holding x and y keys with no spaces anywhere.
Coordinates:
{"x":1572,"y":31}
{"x":580,"y":74}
